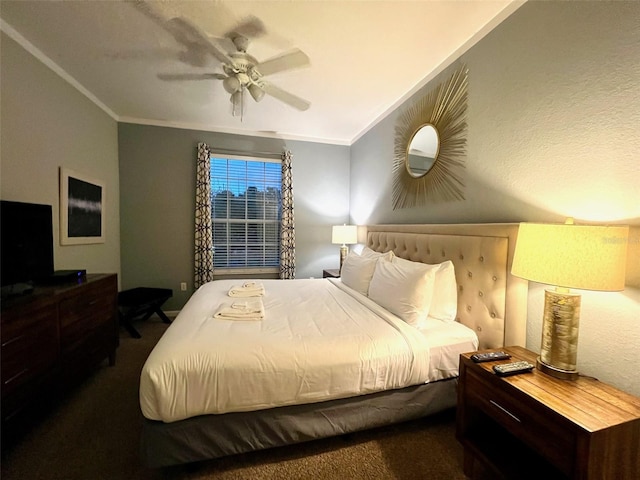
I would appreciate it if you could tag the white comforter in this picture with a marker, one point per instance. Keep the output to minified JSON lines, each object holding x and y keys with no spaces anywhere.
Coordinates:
{"x":319,"y":340}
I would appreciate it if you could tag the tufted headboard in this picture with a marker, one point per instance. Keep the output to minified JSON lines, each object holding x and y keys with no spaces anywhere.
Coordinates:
{"x":491,"y":301}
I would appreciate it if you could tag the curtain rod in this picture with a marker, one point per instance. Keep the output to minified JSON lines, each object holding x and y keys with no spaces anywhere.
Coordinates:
{"x":240,"y":153}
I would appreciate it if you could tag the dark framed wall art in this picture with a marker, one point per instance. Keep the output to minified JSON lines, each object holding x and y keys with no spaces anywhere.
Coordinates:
{"x":82,"y":203}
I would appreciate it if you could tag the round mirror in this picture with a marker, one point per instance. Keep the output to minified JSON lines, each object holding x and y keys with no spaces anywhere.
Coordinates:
{"x":422,"y":151}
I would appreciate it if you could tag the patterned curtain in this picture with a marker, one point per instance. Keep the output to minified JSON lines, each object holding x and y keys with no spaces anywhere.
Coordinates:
{"x":203,"y":231}
{"x":288,"y":235}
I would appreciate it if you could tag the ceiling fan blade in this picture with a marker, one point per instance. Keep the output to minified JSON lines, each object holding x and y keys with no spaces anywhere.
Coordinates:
{"x":196,"y":43}
{"x":286,"y":97}
{"x":285,"y":61}
{"x":148,"y":10}
{"x":249,"y":26}
{"x":189,"y":35}
{"x":146,"y":54}
{"x":224,"y":42}
{"x":191,"y":76}
{"x":192,"y":57}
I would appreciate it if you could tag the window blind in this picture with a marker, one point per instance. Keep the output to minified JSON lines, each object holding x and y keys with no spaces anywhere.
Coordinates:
{"x":246,"y":212}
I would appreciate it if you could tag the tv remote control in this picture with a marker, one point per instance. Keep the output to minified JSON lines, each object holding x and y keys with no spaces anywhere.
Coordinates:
{"x":513,"y":368}
{"x":489,"y":357}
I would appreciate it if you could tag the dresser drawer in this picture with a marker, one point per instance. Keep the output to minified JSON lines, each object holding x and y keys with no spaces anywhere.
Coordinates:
{"x":29,"y":347}
{"x":82,"y":357}
{"x":16,"y":321}
{"x":77,"y":333}
{"x":87,"y":315}
{"x":545,"y":432}
{"x":85,"y":306}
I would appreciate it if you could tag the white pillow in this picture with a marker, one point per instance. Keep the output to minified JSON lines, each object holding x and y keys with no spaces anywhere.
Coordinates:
{"x":444,"y":304}
{"x":357,"y":272}
{"x":367,"y":252}
{"x":405,"y":290}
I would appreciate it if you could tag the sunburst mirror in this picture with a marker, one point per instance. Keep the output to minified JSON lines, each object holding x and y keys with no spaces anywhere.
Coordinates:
{"x":430,"y":146}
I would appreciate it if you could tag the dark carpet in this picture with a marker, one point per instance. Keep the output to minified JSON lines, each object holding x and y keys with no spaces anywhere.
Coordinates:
{"x":95,"y":433}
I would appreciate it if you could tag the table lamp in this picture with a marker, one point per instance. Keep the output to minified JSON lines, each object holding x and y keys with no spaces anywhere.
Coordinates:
{"x":568,"y":256}
{"x":344,"y":234}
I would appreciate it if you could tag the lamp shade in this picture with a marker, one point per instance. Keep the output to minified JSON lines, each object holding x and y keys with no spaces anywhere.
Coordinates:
{"x":587,"y":257}
{"x":344,"y":234}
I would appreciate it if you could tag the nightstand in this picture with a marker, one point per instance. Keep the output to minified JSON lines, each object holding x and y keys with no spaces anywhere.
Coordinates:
{"x":331,"y":273}
{"x":532,"y":425}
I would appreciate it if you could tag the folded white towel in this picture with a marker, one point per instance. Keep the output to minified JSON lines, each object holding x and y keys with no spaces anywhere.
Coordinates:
{"x":247,"y":310}
{"x":247,"y":289}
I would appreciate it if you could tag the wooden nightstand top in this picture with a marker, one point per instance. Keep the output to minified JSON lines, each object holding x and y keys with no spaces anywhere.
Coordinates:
{"x":587,"y":402}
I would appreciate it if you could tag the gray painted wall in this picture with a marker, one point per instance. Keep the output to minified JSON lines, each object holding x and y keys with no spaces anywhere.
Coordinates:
{"x":552,"y":123}
{"x":48,"y":124}
{"x":553,"y":131}
{"x":157,"y":188}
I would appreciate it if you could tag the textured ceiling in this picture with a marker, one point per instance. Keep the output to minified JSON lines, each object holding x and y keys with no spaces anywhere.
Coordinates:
{"x":366,"y":58}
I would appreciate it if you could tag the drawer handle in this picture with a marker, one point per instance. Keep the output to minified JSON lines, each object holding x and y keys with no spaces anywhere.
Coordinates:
{"x":19,"y":374}
{"x":9,"y":342}
{"x":93,"y":302}
{"x":505,"y":411}
{"x":13,"y":414}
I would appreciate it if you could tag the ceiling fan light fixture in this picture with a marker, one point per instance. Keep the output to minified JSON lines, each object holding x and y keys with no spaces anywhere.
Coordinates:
{"x":241,"y":70}
{"x":256,"y":92}
{"x":231,"y":85}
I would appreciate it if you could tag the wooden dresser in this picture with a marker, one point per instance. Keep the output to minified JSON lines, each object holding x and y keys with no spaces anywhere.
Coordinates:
{"x":51,"y":339}
{"x":532,"y":425}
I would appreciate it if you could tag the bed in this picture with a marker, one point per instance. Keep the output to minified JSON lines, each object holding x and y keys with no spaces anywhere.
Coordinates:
{"x":376,"y":371}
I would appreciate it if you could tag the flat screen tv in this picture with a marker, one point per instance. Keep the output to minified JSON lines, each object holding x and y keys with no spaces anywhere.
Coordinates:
{"x":26,"y":243}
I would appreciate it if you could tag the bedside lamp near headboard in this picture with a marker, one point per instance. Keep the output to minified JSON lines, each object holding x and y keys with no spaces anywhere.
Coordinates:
{"x":345,"y":235}
{"x":586,"y":257}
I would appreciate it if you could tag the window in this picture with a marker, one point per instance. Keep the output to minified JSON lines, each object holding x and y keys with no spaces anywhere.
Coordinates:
{"x":246,"y":212}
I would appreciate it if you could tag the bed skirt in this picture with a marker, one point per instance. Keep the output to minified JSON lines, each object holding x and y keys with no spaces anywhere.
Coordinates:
{"x":213,"y":436}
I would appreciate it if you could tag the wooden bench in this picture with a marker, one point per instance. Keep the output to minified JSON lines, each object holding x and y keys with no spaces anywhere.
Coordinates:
{"x":141,"y":302}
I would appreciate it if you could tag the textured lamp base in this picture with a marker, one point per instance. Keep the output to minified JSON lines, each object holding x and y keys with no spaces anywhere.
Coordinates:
{"x":344,"y":250}
{"x":556,"y":372}
{"x":560,"y":324}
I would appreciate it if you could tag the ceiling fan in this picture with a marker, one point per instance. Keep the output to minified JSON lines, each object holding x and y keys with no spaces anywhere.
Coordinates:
{"x":242,"y":71}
